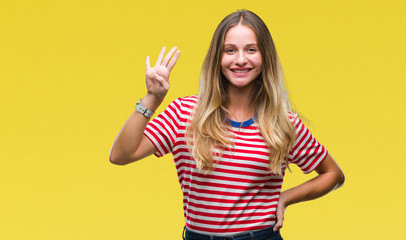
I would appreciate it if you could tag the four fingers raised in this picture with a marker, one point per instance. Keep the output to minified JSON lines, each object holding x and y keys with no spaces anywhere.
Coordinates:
{"x":169,"y":61}
{"x":168,"y":58}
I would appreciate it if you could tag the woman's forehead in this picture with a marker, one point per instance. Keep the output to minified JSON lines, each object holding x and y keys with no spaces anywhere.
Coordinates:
{"x":240,"y":34}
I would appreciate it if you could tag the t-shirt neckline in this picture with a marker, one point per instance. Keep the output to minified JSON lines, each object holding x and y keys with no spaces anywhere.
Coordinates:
{"x":247,"y":123}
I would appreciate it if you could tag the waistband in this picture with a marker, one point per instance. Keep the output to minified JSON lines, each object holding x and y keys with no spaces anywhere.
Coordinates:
{"x":262,"y":234}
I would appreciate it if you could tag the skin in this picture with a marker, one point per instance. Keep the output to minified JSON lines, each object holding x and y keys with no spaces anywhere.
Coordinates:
{"x":241,"y":53}
{"x":241,"y":65}
{"x":131,"y":144}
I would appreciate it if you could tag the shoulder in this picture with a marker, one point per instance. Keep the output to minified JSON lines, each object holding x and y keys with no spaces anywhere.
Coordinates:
{"x":297,"y":122}
{"x":185,"y":103}
{"x":294,"y":118}
{"x":182,"y":106}
{"x":188,"y":100}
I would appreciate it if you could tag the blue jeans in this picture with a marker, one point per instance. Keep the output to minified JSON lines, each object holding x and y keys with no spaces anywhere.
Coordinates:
{"x":264,"y":234}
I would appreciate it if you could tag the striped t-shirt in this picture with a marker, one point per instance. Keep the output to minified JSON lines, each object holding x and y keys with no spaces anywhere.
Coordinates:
{"x":240,"y":194}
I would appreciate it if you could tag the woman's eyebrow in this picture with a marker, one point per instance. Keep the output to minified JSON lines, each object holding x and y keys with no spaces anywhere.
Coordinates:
{"x":247,"y":45}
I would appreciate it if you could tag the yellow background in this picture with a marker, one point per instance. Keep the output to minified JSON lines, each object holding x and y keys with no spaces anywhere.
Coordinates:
{"x":72,"y":71}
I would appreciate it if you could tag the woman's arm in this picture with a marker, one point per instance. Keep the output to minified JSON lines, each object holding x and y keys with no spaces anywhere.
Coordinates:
{"x":131,"y":144}
{"x":330,"y":177}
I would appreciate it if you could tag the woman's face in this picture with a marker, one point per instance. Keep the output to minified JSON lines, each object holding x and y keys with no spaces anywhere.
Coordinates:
{"x":242,"y":61}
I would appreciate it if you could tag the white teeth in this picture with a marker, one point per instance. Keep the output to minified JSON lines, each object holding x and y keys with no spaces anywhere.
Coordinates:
{"x":240,"y":71}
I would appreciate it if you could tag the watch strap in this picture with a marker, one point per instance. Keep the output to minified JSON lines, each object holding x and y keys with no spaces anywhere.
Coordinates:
{"x":143,"y":110}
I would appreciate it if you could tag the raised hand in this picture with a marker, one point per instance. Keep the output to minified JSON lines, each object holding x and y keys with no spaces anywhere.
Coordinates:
{"x":157,"y":77}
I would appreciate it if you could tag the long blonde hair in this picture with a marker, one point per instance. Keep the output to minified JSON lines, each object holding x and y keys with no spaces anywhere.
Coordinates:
{"x":208,"y":128}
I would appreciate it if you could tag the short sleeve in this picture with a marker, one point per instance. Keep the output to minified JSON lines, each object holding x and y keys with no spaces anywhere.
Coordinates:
{"x":162,"y":130}
{"x":307,"y":153}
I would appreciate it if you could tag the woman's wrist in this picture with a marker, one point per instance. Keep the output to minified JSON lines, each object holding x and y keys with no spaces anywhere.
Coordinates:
{"x":284,"y":200}
{"x":151,"y":102}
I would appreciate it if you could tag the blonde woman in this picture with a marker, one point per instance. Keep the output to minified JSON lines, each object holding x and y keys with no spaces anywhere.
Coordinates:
{"x":231,"y":144}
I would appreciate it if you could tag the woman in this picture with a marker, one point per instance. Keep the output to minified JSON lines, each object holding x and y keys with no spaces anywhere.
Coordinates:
{"x":232,"y":143}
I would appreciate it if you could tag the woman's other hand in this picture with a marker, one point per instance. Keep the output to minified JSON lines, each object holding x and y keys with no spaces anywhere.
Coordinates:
{"x":280,"y":213}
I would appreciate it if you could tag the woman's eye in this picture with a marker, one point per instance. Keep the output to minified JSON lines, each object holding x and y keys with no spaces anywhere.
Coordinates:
{"x":229,"y":50}
{"x":252,"y":50}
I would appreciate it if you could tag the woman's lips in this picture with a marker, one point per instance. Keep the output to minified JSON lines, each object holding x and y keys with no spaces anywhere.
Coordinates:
{"x":240,"y":72}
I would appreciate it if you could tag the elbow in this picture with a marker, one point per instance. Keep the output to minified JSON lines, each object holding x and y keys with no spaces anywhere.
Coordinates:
{"x":340,"y":179}
{"x":116,"y":159}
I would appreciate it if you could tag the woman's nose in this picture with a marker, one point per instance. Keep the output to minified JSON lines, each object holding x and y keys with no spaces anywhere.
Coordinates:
{"x":241,"y":59}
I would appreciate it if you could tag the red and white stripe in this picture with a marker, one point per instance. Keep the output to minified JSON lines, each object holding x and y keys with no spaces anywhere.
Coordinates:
{"x":240,"y":194}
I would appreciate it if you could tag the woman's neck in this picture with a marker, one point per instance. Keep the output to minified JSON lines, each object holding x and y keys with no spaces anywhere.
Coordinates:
{"x":239,"y":104}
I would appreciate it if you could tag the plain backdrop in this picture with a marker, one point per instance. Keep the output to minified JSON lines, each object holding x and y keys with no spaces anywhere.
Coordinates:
{"x":72,"y":71}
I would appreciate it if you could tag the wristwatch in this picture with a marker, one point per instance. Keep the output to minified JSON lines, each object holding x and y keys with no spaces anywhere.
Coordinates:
{"x":143,"y":110}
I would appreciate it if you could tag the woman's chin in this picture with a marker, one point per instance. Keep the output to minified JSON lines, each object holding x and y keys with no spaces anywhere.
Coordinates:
{"x":241,"y":84}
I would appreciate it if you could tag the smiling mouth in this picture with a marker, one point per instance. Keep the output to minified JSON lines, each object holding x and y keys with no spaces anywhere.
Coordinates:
{"x":240,"y":71}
